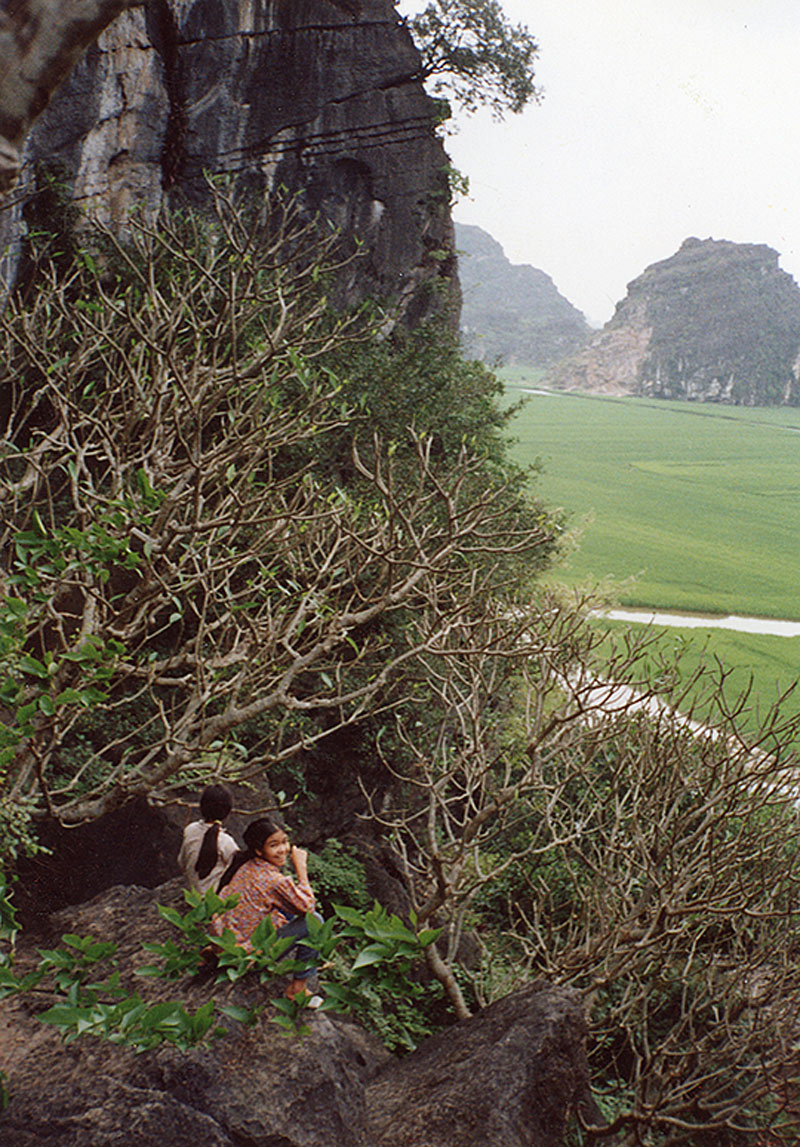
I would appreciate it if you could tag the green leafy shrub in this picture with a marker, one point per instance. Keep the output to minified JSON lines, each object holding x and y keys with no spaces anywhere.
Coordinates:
{"x":374,"y":965}
{"x":371,"y":957}
{"x":338,"y":876}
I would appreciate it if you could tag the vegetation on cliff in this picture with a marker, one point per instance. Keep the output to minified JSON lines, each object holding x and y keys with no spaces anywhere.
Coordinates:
{"x":472,"y":52}
{"x":231,"y":532}
{"x":210,"y":548}
{"x":237,"y":524}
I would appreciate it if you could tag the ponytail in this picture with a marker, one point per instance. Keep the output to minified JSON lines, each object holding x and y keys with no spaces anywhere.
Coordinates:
{"x":207,"y":856}
{"x":215,"y":804}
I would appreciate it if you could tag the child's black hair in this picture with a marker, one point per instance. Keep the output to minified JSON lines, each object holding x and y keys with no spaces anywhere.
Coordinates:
{"x":254,"y":836}
{"x":215,"y":804}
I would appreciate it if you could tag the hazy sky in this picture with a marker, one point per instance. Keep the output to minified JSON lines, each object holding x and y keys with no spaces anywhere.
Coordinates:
{"x":660,"y":119}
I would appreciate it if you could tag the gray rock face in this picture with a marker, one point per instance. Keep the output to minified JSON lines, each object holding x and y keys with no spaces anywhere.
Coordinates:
{"x":716,"y":322}
{"x":512,"y":312}
{"x":316,"y":96}
{"x":509,"y":1076}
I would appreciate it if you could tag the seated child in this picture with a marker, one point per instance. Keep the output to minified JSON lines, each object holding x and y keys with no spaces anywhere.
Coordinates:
{"x":255,"y":876}
{"x":207,"y":850}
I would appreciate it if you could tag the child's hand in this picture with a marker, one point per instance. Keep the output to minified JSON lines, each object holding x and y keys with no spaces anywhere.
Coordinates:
{"x":300,"y":860}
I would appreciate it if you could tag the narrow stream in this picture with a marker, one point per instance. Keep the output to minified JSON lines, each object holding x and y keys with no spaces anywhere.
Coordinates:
{"x":764,"y":625}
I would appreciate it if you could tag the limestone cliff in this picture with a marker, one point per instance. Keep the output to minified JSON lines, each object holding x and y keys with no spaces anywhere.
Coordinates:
{"x":512,"y":312}
{"x":716,"y":322}
{"x":321,"y":97}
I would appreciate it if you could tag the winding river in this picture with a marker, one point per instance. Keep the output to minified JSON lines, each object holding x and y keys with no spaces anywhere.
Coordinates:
{"x":763,"y":625}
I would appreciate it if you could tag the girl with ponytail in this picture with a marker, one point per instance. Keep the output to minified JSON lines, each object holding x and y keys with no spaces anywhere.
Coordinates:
{"x":207,"y":849}
{"x":255,"y":876}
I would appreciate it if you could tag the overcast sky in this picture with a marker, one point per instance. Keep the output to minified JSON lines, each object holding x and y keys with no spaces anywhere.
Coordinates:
{"x":660,"y":119}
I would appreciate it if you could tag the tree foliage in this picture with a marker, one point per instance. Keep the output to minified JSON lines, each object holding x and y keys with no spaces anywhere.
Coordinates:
{"x":472,"y":52}
{"x":181,"y":558}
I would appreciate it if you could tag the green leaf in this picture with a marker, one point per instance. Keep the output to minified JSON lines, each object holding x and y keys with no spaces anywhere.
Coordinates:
{"x":25,"y":712}
{"x":171,"y":915}
{"x":68,"y":696}
{"x":372,"y":955}
{"x":30,"y":665}
{"x":61,"y":1014}
{"x":349,"y":915}
{"x":428,"y":935}
{"x":241,"y":1015}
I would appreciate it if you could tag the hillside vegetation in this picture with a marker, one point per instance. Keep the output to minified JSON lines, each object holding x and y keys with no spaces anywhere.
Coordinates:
{"x":247,"y":536}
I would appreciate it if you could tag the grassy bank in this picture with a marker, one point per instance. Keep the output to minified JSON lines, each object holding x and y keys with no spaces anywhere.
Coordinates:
{"x":758,"y":669}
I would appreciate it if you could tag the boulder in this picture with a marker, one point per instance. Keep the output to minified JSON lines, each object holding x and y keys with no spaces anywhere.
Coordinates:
{"x":511,"y":1075}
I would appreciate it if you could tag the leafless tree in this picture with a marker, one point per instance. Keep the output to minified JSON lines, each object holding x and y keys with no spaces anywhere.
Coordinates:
{"x":178,"y":561}
{"x":648,"y":858}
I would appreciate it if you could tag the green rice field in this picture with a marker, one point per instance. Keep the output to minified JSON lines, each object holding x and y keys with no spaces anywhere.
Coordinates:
{"x":689,"y":507}
{"x":686,"y":508}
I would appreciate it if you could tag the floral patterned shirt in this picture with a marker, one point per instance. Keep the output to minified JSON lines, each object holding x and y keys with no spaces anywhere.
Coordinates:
{"x":263,"y":890}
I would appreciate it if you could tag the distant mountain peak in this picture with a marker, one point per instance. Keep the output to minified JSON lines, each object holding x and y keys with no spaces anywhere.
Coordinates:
{"x":512,"y":312}
{"x":717,"y":321}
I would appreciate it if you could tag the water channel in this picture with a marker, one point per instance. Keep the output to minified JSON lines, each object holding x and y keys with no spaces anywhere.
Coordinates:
{"x":764,"y":625}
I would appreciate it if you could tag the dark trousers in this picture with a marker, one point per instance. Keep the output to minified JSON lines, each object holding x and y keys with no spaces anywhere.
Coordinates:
{"x":297,"y":927}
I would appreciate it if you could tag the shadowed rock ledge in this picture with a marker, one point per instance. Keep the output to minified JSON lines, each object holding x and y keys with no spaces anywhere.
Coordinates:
{"x":510,"y":1076}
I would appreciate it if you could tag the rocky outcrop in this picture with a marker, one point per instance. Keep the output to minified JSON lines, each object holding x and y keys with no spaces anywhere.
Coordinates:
{"x":610,"y":363}
{"x":507,"y":1076}
{"x":255,"y":1086}
{"x":40,"y":41}
{"x":716,"y":322}
{"x":316,"y":96}
{"x":512,"y":312}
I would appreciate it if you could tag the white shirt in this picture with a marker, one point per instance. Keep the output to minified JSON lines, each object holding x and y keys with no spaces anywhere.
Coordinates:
{"x":190,"y":848}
